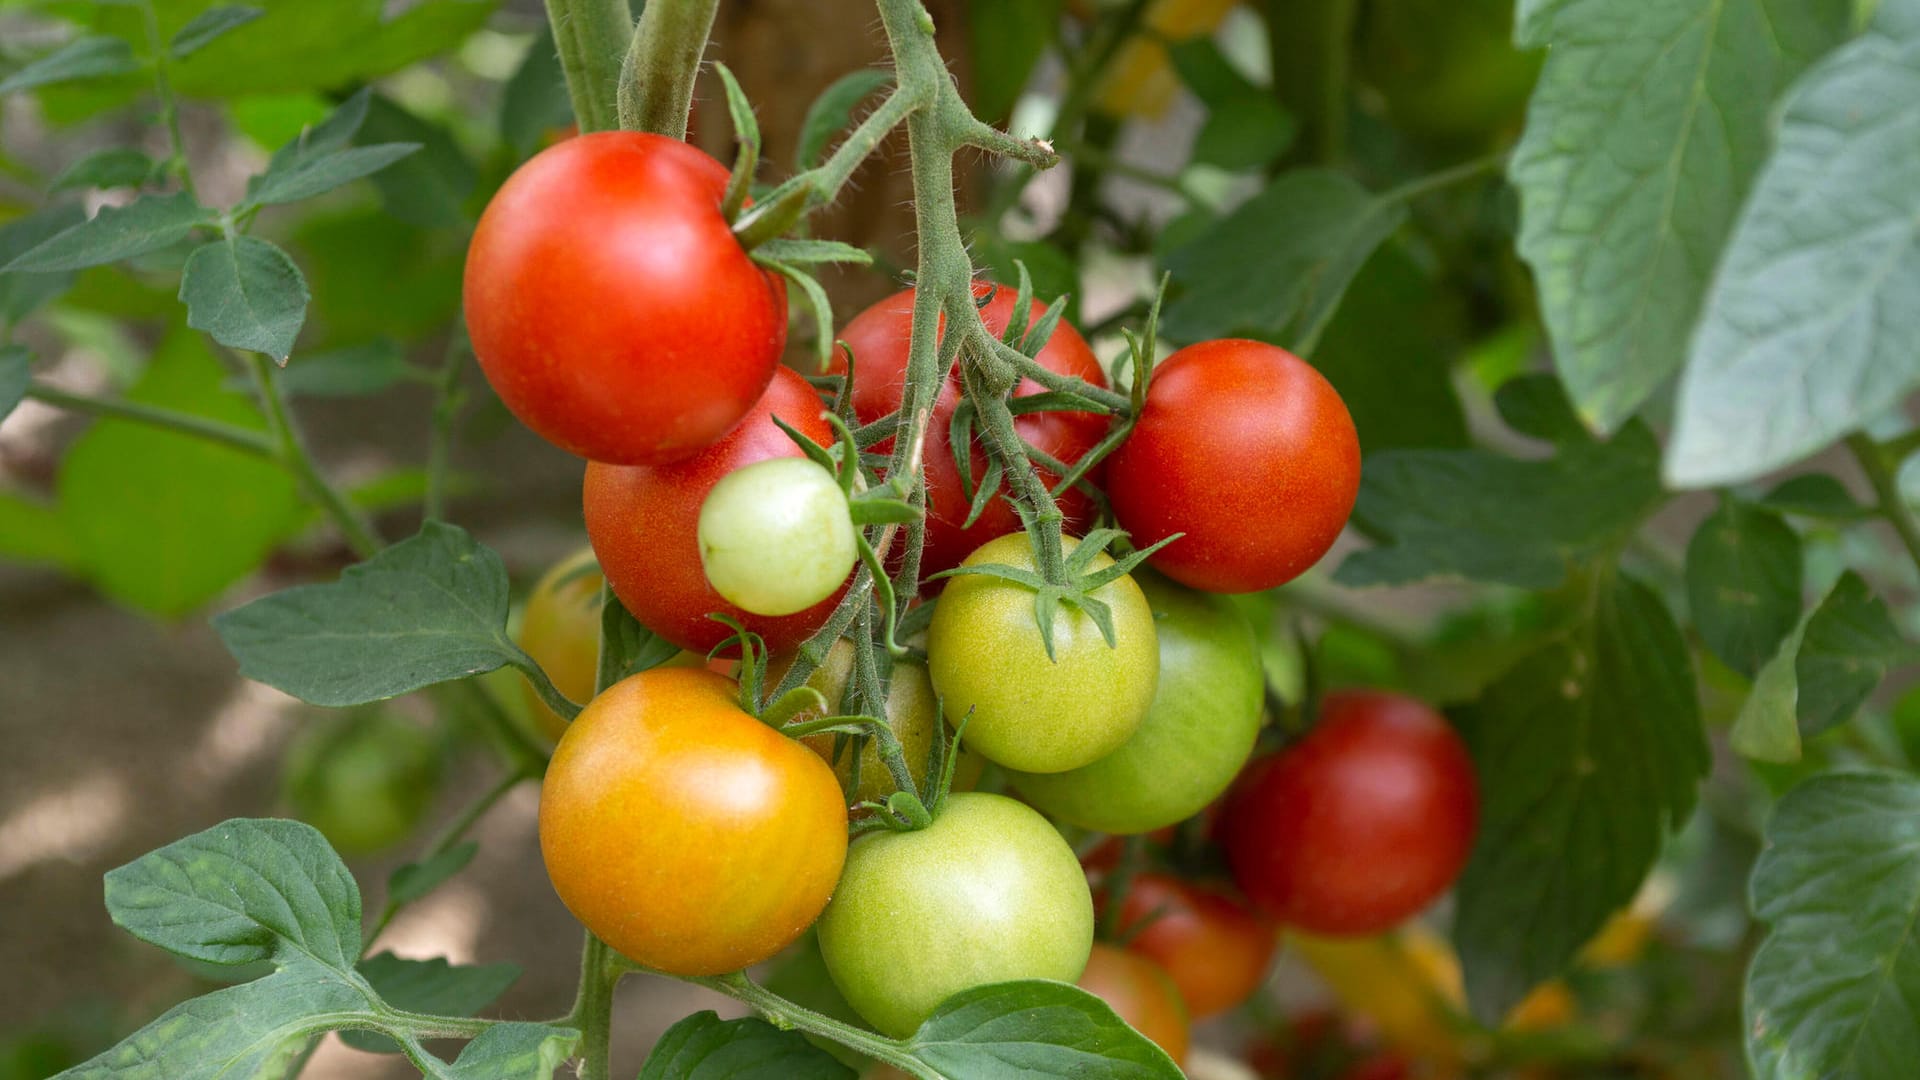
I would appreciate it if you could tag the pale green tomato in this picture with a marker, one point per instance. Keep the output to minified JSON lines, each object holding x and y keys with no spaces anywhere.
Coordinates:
{"x":1197,"y":734}
{"x":987,"y":893}
{"x":1030,"y":711}
{"x":776,"y":537}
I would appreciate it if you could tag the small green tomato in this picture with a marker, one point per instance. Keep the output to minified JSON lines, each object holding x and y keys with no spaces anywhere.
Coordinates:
{"x":776,"y":536}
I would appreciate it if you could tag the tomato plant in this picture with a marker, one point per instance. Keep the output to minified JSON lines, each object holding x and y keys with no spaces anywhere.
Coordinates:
{"x":644,"y":522}
{"x":1363,"y":823}
{"x":1028,"y":706}
{"x":685,"y":833}
{"x":989,"y":880}
{"x":611,"y":306}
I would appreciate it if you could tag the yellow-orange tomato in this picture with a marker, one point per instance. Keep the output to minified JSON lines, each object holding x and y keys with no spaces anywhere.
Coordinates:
{"x":685,"y":833}
{"x":1143,"y":995}
{"x":560,"y":629}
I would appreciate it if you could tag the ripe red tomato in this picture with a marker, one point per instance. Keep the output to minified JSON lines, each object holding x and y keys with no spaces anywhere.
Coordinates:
{"x":643,"y":521}
{"x":688,"y":835}
{"x":1246,"y":450}
{"x":879,"y":337}
{"x":1361,"y":824}
{"x":1215,"y":948}
{"x":610,"y":306}
{"x":1134,"y":987}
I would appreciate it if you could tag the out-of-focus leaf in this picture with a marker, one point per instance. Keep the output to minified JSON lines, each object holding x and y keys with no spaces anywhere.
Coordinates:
{"x":209,"y":26}
{"x":114,"y":167}
{"x":1387,"y":350}
{"x":1005,"y":39}
{"x":149,"y":223}
{"x":22,"y":293}
{"x":534,"y":102}
{"x":89,"y":57}
{"x":429,"y":188}
{"x":1743,"y":583}
{"x":832,"y":112}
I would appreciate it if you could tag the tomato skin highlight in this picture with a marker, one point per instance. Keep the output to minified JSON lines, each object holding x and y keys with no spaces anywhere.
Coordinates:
{"x":1196,"y":735}
{"x":1141,"y":993}
{"x":1214,"y":947}
{"x":879,"y":337}
{"x":988,"y":893}
{"x":1029,"y":712}
{"x":643,"y":521}
{"x":1359,"y":825}
{"x":1246,"y":450}
{"x":610,"y":305}
{"x":688,"y":835}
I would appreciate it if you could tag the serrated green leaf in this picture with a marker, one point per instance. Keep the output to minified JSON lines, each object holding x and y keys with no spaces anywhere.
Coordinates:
{"x":1588,"y":753}
{"x":143,"y":536}
{"x":429,"y":188}
{"x":209,"y":26}
{"x":1849,"y":644}
{"x":416,"y":879}
{"x":15,"y":372}
{"x":534,"y":101}
{"x":1005,"y":39}
{"x":428,"y":609}
{"x":314,"y":175}
{"x":1830,"y":991}
{"x":91,"y":57}
{"x":114,"y":167}
{"x":1035,"y":1028}
{"x":1743,"y":583}
{"x":1277,"y":266}
{"x":832,"y":111}
{"x":1483,"y":516}
{"x":1643,"y":134}
{"x":705,"y":1047}
{"x":149,"y":223}
{"x":246,"y":293}
{"x":1806,"y":332}
{"x":428,"y":986}
{"x":246,"y":890}
{"x":516,"y":1051}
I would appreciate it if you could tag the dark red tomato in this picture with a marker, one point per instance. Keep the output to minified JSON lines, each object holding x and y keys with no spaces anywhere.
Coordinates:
{"x":879,"y":337}
{"x":1215,"y":948}
{"x":1359,"y":825}
{"x":1249,"y":452}
{"x":643,"y":521}
{"x":611,"y":307}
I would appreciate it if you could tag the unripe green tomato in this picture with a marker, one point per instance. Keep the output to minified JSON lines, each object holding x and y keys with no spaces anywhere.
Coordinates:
{"x":776,"y":537}
{"x":363,"y":778}
{"x":1197,"y":734}
{"x":1031,"y":712}
{"x":987,"y":893}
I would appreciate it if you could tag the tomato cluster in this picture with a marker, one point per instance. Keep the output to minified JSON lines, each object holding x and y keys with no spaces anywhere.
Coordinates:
{"x":616,"y":313}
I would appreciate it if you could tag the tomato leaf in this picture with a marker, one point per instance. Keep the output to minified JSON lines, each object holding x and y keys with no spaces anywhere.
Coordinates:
{"x":21,"y":294}
{"x":140,"y":533}
{"x":1644,"y":132}
{"x":626,"y":647}
{"x":1588,"y":752}
{"x":1035,"y":1028}
{"x":515,"y":1051}
{"x":1815,"y":495}
{"x":33,"y":532}
{"x":1830,"y":990}
{"x":799,"y":251}
{"x":1005,"y":39}
{"x":208,"y":26}
{"x":428,"y":986}
{"x":90,"y":57}
{"x":1849,"y":644}
{"x":428,"y":609}
{"x":1245,"y":128}
{"x":1767,"y":728}
{"x":15,"y":373}
{"x":312,"y":175}
{"x":149,"y":223}
{"x":1389,"y":350}
{"x":1805,"y":332}
{"x":416,"y":879}
{"x":1484,"y":516}
{"x":114,"y":167}
{"x":247,"y":294}
{"x":832,"y":111}
{"x":1277,"y":266}
{"x":705,"y":1047}
{"x":428,"y":188}
{"x":349,"y":371}
{"x":1743,"y":583}
{"x":534,"y":102}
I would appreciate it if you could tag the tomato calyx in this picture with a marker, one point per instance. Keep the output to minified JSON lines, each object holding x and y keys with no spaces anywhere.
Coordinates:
{"x":1080,"y":584}
{"x":905,"y":810}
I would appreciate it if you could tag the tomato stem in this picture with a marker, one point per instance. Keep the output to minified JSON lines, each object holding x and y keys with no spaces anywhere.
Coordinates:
{"x":787,"y":1014}
{"x":1893,"y":507}
{"x":291,"y":451}
{"x":662,"y":61}
{"x":231,"y":436}
{"x":592,"y":37}
{"x":600,"y":972}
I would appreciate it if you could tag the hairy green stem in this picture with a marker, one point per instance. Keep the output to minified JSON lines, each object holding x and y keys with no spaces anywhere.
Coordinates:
{"x":600,"y":971}
{"x":169,"y":105}
{"x":291,"y":450}
{"x":662,"y":60}
{"x":784,"y":1013}
{"x":1893,"y":507}
{"x":232,"y":436}
{"x":592,"y":37}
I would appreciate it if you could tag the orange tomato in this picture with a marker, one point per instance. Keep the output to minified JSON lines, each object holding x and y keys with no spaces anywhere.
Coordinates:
{"x":1216,"y":949}
{"x":1140,"y":991}
{"x":560,"y":629}
{"x":685,"y":833}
